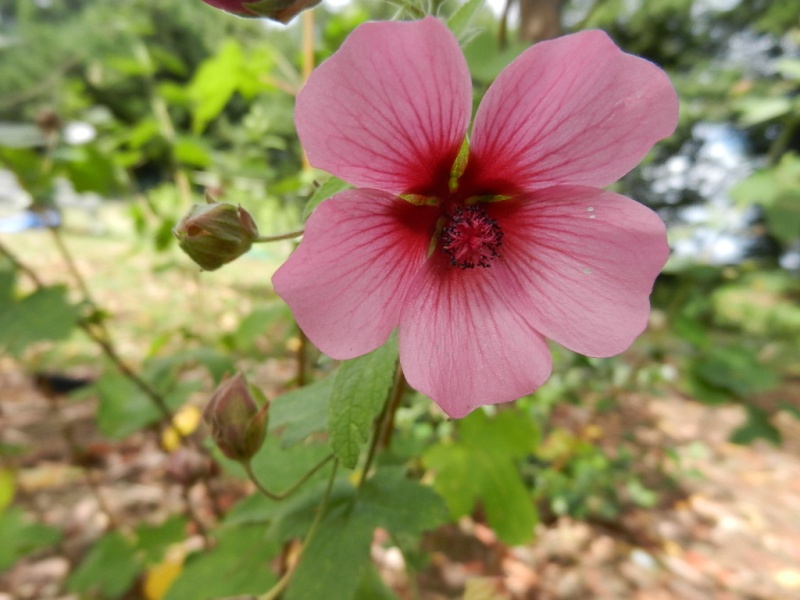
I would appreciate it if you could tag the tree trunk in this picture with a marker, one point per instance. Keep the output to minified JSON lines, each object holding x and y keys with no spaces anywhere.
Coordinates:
{"x":539,"y":20}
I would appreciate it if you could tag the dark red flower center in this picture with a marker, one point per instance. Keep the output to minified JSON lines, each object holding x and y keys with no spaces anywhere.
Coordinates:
{"x":471,"y":238}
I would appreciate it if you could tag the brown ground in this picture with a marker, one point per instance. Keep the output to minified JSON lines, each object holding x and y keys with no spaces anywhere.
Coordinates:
{"x":731,"y":532}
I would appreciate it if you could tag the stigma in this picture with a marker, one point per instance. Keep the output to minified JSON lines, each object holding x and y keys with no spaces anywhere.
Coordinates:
{"x":471,"y":238}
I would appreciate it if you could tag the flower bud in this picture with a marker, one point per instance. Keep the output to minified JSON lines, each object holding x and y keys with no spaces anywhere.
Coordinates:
{"x":216,"y":233}
{"x":277,"y":10}
{"x":238,"y":424}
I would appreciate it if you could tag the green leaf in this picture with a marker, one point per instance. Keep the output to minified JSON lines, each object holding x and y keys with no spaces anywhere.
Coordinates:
{"x":19,"y":536}
{"x":337,"y":558}
{"x":110,"y":568}
{"x":461,"y":20}
{"x":481,"y":466}
{"x":123,"y":407}
{"x":734,"y":370}
{"x":29,"y":169}
{"x":372,"y":587}
{"x":400,"y":505}
{"x":330,"y":187}
{"x":486,"y":59}
{"x":8,"y":279}
{"x":239,"y":564}
{"x":359,"y":392}
{"x":191,"y":151}
{"x":46,"y":314}
{"x":758,"y":425}
{"x":760,"y":110}
{"x":214,"y":84}
{"x":299,"y":413}
{"x":89,"y":170}
{"x":783,"y":217}
{"x":153,"y":540}
{"x":253,"y":330}
{"x":8,"y":486}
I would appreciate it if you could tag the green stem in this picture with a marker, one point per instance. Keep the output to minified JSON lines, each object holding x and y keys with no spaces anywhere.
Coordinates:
{"x":384,"y":422}
{"x":263,"y":239}
{"x":289,"y":491}
{"x":279,"y":587}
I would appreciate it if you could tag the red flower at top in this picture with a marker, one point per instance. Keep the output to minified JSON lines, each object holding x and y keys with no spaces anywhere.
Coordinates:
{"x":477,"y":261}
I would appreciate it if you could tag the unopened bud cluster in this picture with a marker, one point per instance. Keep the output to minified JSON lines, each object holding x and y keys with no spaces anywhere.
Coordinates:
{"x":216,"y":233}
{"x":238,"y":422}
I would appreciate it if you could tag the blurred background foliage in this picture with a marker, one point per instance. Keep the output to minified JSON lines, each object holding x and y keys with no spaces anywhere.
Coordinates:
{"x":116,"y":116}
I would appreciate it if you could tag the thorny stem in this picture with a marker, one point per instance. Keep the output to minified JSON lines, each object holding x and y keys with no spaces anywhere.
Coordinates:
{"x":290,"y":490}
{"x":278,"y":588}
{"x":262,"y":239}
{"x":384,"y":422}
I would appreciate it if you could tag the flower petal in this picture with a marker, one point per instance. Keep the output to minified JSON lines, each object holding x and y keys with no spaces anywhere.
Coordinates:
{"x":390,"y":109}
{"x":583,"y":261}
{"x":346,"y":281}
{"x":574,"y":110}
{"x":464,"y":344}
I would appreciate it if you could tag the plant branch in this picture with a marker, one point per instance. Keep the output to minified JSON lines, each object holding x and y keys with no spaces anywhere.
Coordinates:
{"x":279,"y":587}
{"x":101,"y":340}
{"x":384,"y":422}
{"x":291,"y":489}
{"x":262,"y":239}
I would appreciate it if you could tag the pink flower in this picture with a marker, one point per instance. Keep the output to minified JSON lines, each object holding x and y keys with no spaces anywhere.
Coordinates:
{"x":477,"y":264}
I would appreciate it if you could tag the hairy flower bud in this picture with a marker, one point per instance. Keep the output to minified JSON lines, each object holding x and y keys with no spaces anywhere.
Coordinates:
{"x":277,"y":10}
{"x":238,"y":424}
{"x":215,"y":233}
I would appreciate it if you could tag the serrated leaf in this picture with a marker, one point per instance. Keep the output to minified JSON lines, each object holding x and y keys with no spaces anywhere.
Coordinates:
{"x":299,"y":413}
{"x":239,"y":564}
{"x":19,"y":536}
{"x":110,"y":568}
{"x":330,"y":187}
{"x":359,"y":392}
{"x":481,"y":466}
